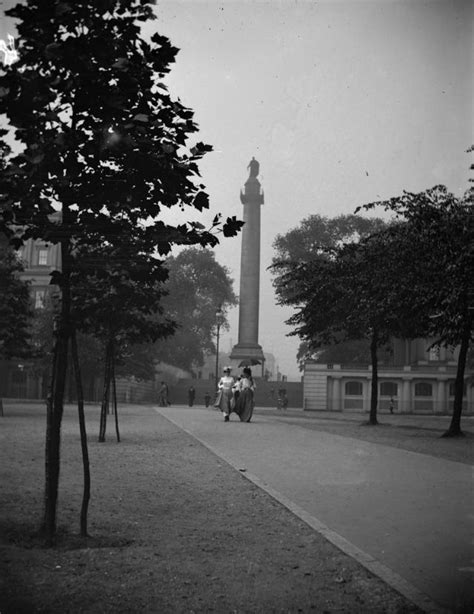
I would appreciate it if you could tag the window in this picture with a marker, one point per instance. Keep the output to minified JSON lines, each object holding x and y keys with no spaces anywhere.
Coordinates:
{"x":43,"y":256}
{"x":388,"y":389}
{"x":423,"y":389}
{"x":434,"y":353}
{"x":39,"y":299}
{"x":353,"y":388}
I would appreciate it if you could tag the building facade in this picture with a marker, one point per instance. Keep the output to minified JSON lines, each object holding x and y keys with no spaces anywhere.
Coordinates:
{"x":40,"y":259}
{"x":420,"y":380}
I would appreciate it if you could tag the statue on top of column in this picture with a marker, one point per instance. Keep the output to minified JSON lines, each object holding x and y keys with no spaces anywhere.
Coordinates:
{"x":254,"y":167}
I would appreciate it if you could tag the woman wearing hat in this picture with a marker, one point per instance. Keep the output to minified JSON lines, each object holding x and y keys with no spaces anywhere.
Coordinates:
{"x":244,"y":392}
{"x":224,"y":388}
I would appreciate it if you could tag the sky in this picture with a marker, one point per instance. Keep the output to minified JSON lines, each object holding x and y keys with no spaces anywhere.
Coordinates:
{"x":342,"y":102}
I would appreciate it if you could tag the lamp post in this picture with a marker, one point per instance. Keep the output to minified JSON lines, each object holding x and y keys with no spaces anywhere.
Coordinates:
{"x":219,"y":322}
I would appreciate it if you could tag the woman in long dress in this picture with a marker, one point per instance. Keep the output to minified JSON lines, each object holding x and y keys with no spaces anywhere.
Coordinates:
{"x":244,"y":393}
{"x":224,"y":389}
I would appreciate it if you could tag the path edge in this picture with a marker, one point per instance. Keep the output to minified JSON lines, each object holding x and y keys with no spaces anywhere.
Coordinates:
{"x":394,"y":580}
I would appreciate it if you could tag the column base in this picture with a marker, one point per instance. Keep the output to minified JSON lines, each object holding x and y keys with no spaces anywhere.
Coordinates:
{"x":243,"y":351}
{"x":244,"y":354}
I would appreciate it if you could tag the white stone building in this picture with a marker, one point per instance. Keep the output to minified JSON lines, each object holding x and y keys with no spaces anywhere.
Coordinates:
{"x":420,"y":380}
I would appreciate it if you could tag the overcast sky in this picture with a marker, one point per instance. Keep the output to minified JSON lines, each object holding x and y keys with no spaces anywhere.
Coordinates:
{"x":341,"y":102}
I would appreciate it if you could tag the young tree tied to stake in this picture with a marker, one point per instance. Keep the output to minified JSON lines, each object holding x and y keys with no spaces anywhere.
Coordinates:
{"x":102,"y":141}
{"x":118,"y":295}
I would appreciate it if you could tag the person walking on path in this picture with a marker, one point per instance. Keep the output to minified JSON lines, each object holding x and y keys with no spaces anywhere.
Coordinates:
{"x":224,"y":394}
{"x":282,"y":400}
{"x":244,"y":390}
{"x":163,"y":396}
{"x":191,"y":396}
{"x":207,"y":399}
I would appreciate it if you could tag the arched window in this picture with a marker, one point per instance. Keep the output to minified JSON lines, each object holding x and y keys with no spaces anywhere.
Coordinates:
{"x":353,"y":388}
{"x":423,"y":389}
{"x":388,"y":389}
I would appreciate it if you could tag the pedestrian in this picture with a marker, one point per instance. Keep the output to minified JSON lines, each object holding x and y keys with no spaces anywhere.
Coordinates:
{"x":280,"y":398}
{"x":224,"y":393}
{"x":391,"y":405}
{"x":163,"y":395}
{"x":207,"y":399}
{"x":244,"y":390}
{"x":191,"y":396}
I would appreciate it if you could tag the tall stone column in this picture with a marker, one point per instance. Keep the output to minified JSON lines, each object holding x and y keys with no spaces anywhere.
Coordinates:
{"x":249,"y":300}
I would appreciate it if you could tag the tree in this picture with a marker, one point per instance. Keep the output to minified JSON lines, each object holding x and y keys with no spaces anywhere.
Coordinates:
{"x":104,"y":142}
{"x":376,"y":303}
{"x":197,"y":286}
{"x":137,"y":360}
{"x":314,"y":239}
{"x":15,"y":305}
{"x":348,"y":351}
{"x":318,"y":233}
{"x":15,"y":308}
{"x":90,"y":349}
{"x":352,"y":292}
{"x":438,"y":253}
{"x":117,"y":294}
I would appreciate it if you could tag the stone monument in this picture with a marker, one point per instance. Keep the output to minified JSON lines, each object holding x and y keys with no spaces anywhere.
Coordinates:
{"x":248,"y":347}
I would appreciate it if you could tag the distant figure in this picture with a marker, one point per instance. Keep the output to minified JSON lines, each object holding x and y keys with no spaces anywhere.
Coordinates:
{"x":224,"y":393}
{"x":163,"y":395}
{"x":282,"y":401}
{"x":207,"y":399}
{"x":244,"y":393}
{"x":254,"y":167}
{"x":391,"y":405}
{"x":191,"y":396}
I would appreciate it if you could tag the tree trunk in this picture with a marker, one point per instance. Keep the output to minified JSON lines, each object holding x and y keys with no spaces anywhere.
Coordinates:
{"x":82,"y":427}
{"x":55,"y":405}
{"x":455,"y":426}
{"x":70,"y":384}
{"x":374,"y":388}
{"x":106,"y":393}
{"x":114,"y":392}
{"x":3,"y":392}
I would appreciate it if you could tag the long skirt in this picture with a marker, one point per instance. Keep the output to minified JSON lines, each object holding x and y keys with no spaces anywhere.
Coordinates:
{"x":224,"y":401}
{"x":244,"y":405}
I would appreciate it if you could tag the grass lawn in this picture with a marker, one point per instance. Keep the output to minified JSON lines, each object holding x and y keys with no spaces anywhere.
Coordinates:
{"x":172,"y":529}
